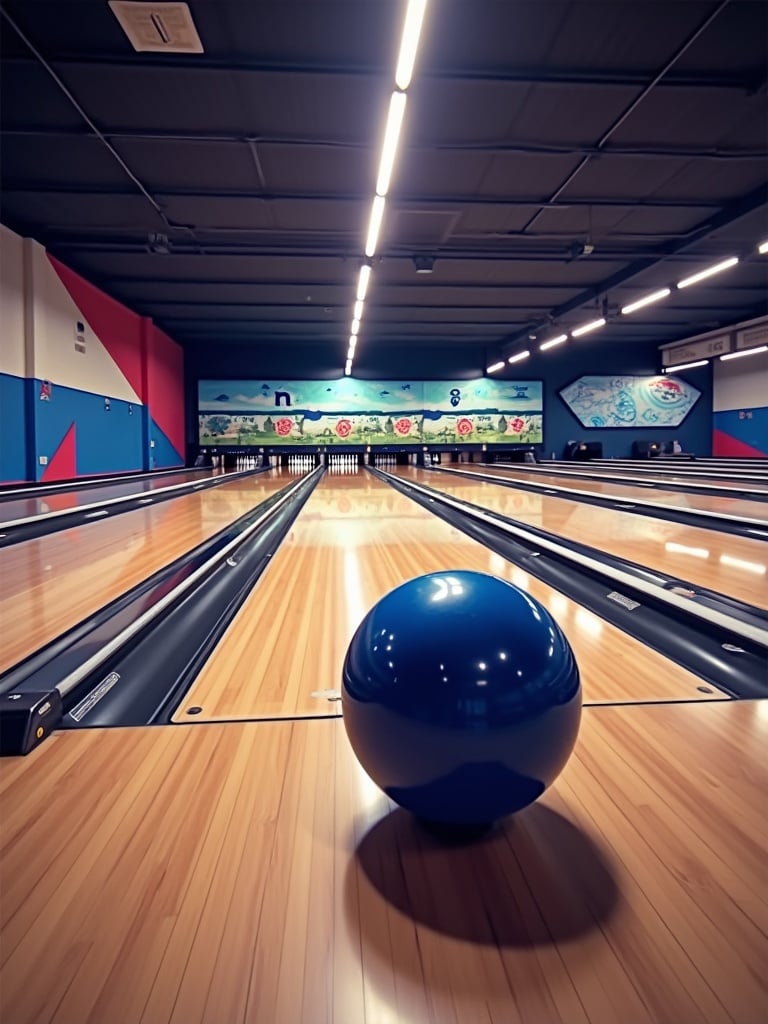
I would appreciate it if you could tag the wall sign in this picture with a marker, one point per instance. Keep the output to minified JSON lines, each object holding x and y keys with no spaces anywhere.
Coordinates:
{"x":605,"y":401}
{"x":352,"y":411}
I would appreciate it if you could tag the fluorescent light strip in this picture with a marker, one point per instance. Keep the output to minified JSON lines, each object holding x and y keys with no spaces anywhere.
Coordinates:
{"x":362,"y":282}
{"x":593,"y":326}
{"x":552,"y":342}
{"x":762,"y":248}
{"x":391,"y":137}
{"x":685,"y":366}
{"x":409,"y":42}
{"x":702,"y":274}
{"x":374,"y":225}
{"x":496,"y":367}
{"x":348,"y":368}
{"x":520,"y":356}
{"x":355,"y":327}
{"x":352,"y":341}
{"x":745,"y":352}
{"x":662,"y":293}
{"x":358,"y":311}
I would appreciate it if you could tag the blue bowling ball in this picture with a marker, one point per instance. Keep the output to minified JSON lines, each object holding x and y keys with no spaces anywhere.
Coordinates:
{"x":461,"y":697}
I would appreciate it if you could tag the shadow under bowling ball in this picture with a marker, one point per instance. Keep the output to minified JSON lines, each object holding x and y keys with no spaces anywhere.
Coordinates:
{"x":531,"y":880}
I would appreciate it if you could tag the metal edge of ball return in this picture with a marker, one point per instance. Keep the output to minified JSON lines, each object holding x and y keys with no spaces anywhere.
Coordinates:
{"x":16,"y":531}
{"x":177,"y":630}
{"x":727,"y":652}
{"x":739,"y":526}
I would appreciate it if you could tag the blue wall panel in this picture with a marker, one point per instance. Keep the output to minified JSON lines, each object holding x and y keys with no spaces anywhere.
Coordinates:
{"x":107,"y":440}
{"x":556,"y":368}
{"x":13,"y":439}
{"x":163,"y":455}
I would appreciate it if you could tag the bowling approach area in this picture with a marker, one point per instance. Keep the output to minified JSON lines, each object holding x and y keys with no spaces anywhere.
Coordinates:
{"x":238,"y":864}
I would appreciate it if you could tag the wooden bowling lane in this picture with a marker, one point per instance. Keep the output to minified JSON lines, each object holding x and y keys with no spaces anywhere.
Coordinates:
{"x":49,"y":584}
{"x":354,"y":541}
{"x":706,"y":502}
{"x":251,"y":872}
{"x":40,"y":504}
{"x":647,"y":474}
{"x":723,"y":562}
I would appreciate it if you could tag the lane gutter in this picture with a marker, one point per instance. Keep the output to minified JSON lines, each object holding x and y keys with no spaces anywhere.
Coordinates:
{"x":741,"y":526}
{"x":712,"y":642}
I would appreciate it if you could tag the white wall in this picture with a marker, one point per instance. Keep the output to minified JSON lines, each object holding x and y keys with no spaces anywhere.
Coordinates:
{"x":741,"y":383}
{"x":11,"y":302}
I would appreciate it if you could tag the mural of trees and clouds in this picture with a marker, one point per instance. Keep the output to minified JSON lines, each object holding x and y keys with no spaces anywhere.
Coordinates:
{"x":350,"y":411}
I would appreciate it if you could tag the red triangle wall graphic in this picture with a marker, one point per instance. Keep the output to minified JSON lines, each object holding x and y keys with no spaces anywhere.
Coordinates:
{"x":730,"y":447}
{"x":117,"y":327}
{"x":63,"y":463}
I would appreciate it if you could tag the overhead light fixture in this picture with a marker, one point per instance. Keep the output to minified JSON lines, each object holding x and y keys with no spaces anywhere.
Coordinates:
{"x":374,"y":225}
{"x":702,"y":274}
{"x":495,"y":367}
{"x":358,"y":310}
{"x":762,"y":248}
{"x":352,"y":341}
{"x":158,"y":27}
{"x":745,"y":352}
{"x":424,"y":264}
{"x":348,"y":368}
{"x":409,"y":42}
{"x":662,"y":293}
{"x":391,"y":137}
{"x":355,"y":327}
{"x":520,"y":356}
{"x":552,"y":342}
{"x":362,"y":282}
{"x":158,"y":243}
{"x":586,"y":328}
{"x":685,"y":366}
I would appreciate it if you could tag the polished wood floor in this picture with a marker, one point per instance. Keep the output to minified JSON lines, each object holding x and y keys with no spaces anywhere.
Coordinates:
{"x":251,"y":873}
{"x":50,"y":584}
{"x":248,"y":871}
{"x":735,"y":505}
{"x":731,"y":565}
{"x":355,"y":540}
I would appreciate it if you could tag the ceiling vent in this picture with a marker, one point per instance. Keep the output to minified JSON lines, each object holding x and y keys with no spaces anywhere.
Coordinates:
{"x":157,"y":28}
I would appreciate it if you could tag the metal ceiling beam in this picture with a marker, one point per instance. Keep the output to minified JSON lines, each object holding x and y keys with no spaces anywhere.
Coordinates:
{"x":730,"y":215}
{"x":400,"y":201}
{"x":650,"y":151}
{"x":745,"y":81}
{"x":628,"y":111}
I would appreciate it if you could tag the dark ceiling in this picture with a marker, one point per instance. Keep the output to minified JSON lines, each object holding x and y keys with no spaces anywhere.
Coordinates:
{"x":531,"y":128}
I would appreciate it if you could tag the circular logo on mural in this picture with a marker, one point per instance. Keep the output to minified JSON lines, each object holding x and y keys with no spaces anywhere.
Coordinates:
{"x":464,"y":426}
{"x":283,"y":427}
{"x":516,"y":426}
{"x":343,"y":428}
{"x":666,"y":392}
{"x":403,"y":426}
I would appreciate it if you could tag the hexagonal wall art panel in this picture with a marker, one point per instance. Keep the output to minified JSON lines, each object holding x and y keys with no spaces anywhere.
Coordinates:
{"x":619,"y":401}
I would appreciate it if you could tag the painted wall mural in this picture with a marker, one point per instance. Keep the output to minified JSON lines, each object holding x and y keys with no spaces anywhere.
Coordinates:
{"x":350,"y":411}
{"x":615,"y":401}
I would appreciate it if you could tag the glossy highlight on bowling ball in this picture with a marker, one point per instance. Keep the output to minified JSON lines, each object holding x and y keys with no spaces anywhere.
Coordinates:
{"x":461,"y":697}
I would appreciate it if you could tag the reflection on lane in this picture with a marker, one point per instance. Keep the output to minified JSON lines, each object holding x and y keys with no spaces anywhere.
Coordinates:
{"x":718,"y":561}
